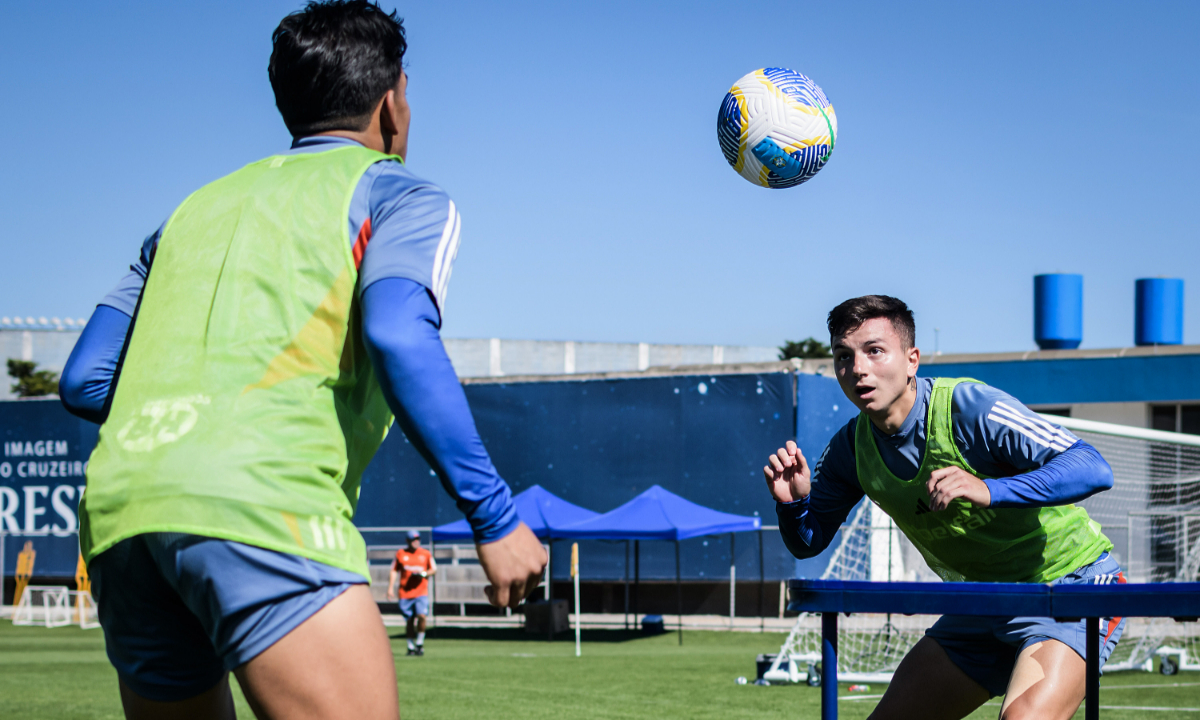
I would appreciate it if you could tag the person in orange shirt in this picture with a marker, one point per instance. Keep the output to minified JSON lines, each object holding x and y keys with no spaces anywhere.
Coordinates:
{"x":413,"y":566}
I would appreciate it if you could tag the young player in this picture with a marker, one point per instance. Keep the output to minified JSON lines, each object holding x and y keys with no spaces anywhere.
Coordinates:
{"x":412,"y":567}
{"x":983,"y":488}
{"x":244,"y":371}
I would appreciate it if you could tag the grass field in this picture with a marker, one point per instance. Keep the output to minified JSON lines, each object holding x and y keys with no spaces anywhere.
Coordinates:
{"x":63,"y":674}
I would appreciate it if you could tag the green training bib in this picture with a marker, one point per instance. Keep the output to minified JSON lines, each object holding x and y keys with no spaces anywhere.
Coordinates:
{"x":963,"y":542}
{"x":247,"y":408}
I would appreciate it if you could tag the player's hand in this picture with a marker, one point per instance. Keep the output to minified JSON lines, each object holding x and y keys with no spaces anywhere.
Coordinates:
{"x":424,"y":574}
{"x":950,"y":483}
{"x":788,"y":477}
{"x":391,"y":595}
{"x":514,"y":564}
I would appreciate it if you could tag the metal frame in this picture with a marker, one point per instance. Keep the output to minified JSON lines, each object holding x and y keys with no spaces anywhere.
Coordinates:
{"x":56,"y":606}
{"x":1091,"y":602}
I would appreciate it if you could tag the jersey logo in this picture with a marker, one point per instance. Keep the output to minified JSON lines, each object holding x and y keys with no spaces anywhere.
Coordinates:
{"x":161,"y":422}
{"x":922,"y":507}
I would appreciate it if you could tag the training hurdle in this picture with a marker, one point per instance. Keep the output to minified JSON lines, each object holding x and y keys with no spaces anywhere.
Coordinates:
{"x":830,"y":597}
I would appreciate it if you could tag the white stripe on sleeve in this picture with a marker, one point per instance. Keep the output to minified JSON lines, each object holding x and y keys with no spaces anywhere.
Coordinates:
{"x":448,"y":262}
{"x":1048,"y":426}
{"x":1025,"y":431}
{"x":1046,"y":430}
{"x":444,"y":257}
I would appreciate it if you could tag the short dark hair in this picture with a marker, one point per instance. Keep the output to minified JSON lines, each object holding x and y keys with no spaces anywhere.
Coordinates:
{"x":850,"y":315}
{"x":331,"y":63}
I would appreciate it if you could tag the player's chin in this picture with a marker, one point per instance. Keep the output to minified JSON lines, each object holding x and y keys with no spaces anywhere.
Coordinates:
{"x":868,"y":405}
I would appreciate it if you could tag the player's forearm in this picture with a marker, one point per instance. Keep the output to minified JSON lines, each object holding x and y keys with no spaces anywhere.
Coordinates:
{"x":801,"y":531}
{"x":401,"y":330}
{"x":86,"y":380}
{"x":1071,"y":476}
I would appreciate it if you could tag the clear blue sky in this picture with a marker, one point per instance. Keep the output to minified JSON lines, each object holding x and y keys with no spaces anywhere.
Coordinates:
{"x":980,"y":144}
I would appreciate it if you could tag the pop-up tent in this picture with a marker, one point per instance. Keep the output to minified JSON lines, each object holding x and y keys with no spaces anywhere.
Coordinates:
{"x":659,"y":514}
{"x":544,"y":512}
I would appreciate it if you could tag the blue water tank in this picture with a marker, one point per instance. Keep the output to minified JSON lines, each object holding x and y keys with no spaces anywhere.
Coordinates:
{"x":1058,"y":311}
{"x":1158,"y":311}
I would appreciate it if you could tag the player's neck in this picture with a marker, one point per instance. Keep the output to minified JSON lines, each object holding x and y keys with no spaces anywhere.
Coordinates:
{"x":366,"y":138}
{"x":380,"y":134}
{"x":891,"y":419}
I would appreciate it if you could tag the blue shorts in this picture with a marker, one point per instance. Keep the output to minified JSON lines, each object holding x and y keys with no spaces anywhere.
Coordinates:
{"x":411,"y":607}
{"x":179,"y":611}
{"x":986,"y":648}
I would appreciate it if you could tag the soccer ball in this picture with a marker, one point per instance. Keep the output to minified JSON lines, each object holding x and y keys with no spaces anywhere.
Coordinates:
{"x":776,"y":127}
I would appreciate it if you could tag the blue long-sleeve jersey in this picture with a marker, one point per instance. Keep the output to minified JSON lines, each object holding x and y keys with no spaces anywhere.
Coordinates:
{"x":406,"y":231}
{"x":1029,"y":462}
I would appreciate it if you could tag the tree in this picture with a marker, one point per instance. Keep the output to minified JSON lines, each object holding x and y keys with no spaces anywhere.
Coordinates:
{"x":31,"y":382}
{"x":806,"y":348}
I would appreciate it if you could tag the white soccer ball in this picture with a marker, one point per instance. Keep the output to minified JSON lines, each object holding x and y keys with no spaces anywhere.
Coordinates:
{"x":776,"y":127}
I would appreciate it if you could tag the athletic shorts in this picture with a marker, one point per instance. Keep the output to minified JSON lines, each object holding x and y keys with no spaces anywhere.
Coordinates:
{"x":179,"y":611}
{"x":411,"y":607}
{"x":986,"y":648}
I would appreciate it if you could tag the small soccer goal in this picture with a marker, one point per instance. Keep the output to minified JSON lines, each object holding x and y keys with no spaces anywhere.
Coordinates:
{"x":48,"y":605}
{"x":55,"y":606}
{"x":1151,"y":515}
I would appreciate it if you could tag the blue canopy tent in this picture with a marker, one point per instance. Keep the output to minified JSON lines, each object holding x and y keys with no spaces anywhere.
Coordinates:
{"x":544,"y":512}
{"x":659,"y":514}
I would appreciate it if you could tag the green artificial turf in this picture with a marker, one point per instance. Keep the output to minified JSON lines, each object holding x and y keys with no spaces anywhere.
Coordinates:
{"x":62,"y":673}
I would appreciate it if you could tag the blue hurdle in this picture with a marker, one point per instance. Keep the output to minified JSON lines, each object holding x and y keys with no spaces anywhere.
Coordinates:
{"x":830,"y":597}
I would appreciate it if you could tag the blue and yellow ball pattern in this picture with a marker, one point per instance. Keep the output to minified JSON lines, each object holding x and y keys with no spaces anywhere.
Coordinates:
{"x":776,"y":128}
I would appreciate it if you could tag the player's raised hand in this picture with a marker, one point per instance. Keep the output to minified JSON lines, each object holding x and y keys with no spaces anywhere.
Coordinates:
{"x":787,"y":474}
{"x":514,"y":564}
{"x":950,"y":483}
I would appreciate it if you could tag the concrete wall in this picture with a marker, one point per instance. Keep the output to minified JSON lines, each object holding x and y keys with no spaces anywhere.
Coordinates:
{"x":1133,"y":414}
{"x":496,"y":357}
{"x":50,"y":344}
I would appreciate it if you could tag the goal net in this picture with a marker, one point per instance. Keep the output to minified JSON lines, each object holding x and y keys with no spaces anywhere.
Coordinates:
{"x":1151,"y":515}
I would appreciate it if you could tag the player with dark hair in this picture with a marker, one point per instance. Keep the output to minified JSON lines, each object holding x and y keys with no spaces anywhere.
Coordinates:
{"x":983,"y":487}
{"x":245,"y":372}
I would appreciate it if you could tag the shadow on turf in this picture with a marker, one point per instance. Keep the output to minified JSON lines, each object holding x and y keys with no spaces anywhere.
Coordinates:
{"x":518,"y":635}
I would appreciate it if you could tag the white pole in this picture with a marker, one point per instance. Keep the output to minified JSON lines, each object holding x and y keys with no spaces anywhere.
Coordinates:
{"x":432,"y":582}
{"x":549,"y":588}
{"x":732,"y":579}
{"x":575,"y":575}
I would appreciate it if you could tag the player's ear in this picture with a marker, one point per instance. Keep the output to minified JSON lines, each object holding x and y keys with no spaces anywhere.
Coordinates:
{"x":914,"y":361}
{"x":388,"y":120}
{"x":393,"y":121}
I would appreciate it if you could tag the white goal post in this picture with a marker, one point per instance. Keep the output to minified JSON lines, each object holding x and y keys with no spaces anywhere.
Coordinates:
{"x":55,"y":606}
{"x":1151,"y":515}
{"x":48,"y":605}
